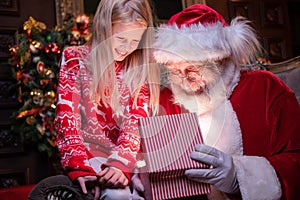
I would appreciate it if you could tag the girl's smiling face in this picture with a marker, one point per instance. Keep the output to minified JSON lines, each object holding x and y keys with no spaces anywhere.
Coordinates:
{"x":126,"y":38}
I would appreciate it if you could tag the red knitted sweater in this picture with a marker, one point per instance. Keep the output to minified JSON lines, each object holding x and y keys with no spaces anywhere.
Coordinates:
{"x":86,"y":129}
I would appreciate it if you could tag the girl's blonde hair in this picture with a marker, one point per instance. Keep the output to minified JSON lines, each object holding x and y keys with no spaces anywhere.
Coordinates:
{"x":139,"y":65}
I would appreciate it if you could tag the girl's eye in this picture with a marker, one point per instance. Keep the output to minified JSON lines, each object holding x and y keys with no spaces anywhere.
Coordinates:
{"x":135,"y":41}
{"x":120,"y":38}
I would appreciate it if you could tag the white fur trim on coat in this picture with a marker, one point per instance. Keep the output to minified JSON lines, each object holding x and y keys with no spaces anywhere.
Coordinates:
{"x":257,"y":178}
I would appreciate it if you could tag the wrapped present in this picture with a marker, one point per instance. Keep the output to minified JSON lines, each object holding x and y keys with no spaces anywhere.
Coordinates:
{"x":167,"y":142}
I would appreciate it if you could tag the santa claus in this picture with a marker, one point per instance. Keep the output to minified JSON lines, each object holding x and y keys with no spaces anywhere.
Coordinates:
{"x":250,"y":120}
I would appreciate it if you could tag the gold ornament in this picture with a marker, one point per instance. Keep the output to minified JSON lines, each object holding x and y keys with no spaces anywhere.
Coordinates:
{"x":30,"y":120}
{"x":24,"y":58}
{"x":57,"y":28}
{"x":37,"y":97}
{"x":50,"y":73}
{"x":32,"y":23}
{"x":76,"y":34}
{"x":50,"y":97}
{"x":41,"y":129}
{"x":36,"y":92}
{"x":87,"y":36}
{"x":35,"y":46}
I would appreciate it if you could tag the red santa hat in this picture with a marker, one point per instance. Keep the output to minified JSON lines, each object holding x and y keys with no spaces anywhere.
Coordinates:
{"x":199,"y":33}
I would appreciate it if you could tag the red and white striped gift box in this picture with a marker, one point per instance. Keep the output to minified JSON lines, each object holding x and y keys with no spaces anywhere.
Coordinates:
{"x":167,"y":142}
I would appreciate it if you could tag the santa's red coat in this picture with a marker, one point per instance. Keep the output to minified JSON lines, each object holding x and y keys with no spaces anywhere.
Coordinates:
{"x":269,"y":117}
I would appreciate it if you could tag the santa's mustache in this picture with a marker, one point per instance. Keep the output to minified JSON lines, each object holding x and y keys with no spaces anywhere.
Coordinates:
{"x":203,"y":81}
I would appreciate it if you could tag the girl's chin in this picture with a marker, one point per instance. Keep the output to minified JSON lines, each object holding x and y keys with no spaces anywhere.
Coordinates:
{"x":120,"y":58}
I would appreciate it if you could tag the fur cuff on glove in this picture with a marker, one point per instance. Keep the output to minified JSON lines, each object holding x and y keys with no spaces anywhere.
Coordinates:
{"x":257,"y":178}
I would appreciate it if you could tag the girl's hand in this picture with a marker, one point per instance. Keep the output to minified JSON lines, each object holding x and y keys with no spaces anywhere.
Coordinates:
{"x":82,"y":182}
{"x":112,"y":177}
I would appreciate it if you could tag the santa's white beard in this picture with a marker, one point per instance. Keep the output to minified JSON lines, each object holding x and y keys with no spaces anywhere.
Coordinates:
{"x":218,"y":121}
{"x":212,"y":105}
{"x":199,"y":96}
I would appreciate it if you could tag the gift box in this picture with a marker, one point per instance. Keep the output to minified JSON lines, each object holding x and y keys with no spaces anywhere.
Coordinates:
{"x":167,"y":142}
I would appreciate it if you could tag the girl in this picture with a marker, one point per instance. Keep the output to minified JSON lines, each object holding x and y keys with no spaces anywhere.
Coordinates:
{"x":104,"y":88}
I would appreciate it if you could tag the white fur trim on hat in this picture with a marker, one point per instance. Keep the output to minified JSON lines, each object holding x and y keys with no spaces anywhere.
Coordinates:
{"x":198,"y":42}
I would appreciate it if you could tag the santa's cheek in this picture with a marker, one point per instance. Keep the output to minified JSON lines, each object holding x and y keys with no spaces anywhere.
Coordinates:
{"x":176,"y":80}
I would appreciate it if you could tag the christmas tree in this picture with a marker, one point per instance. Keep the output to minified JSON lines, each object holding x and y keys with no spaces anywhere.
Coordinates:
{"x":35,"y":62}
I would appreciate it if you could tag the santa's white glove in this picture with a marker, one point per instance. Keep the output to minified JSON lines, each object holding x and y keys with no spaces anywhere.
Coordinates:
{"x":137,"y":183}
{"x":221,"y":175}
{"x":138,"y":187}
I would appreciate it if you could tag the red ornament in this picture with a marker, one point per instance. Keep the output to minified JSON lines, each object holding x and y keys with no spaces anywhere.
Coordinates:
{"x":14,"y":50}
{"x":82,"y":22}
{"x":40,"y":67}
{"x":19,"y":75}
{"x":53,"y":48}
